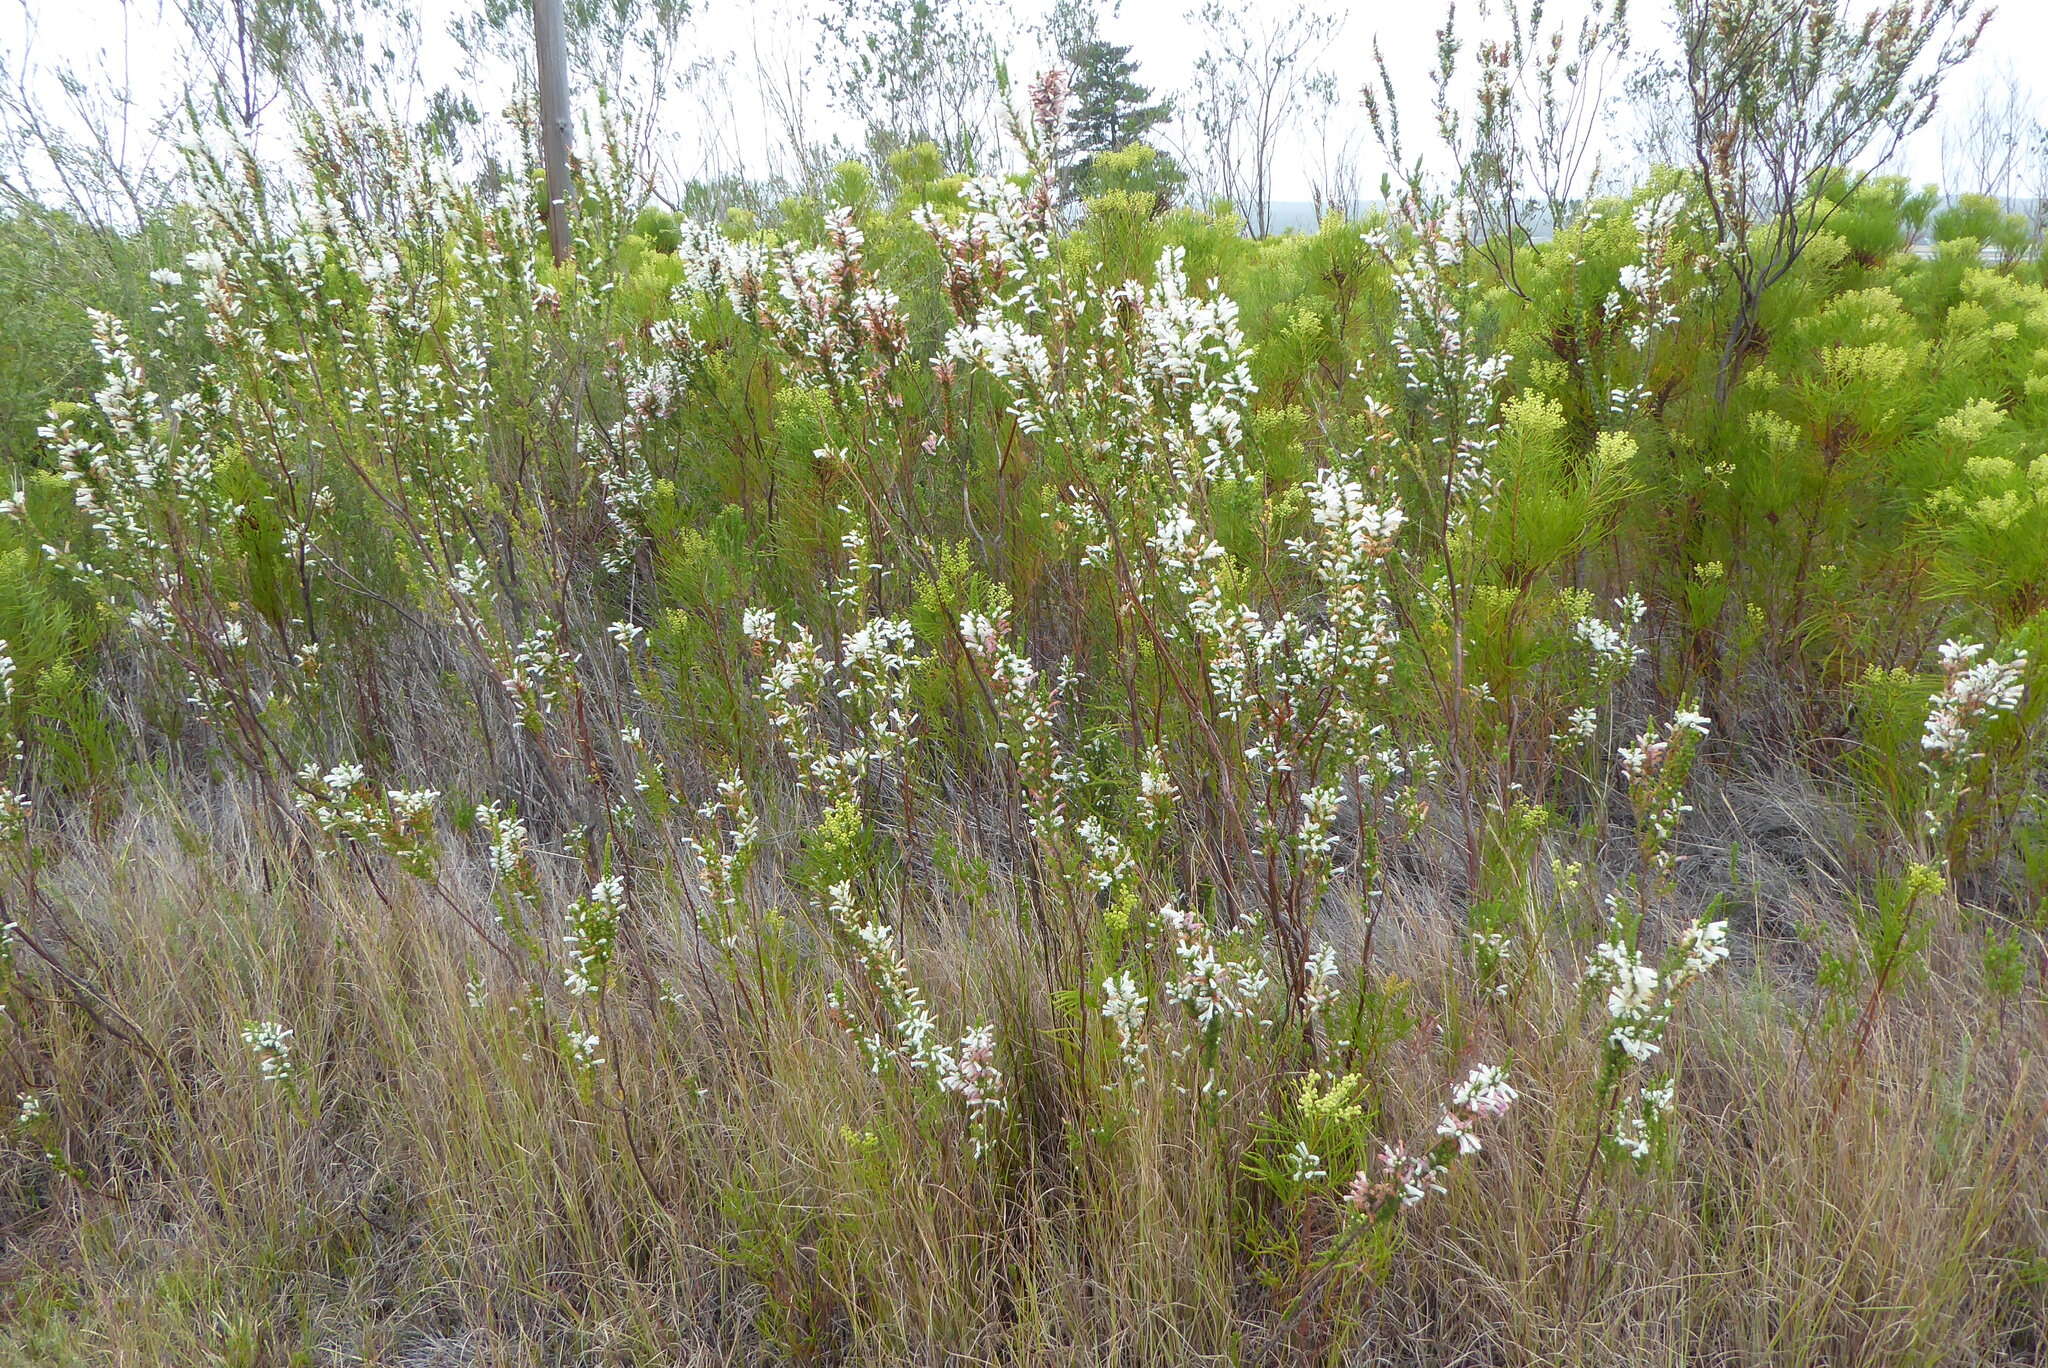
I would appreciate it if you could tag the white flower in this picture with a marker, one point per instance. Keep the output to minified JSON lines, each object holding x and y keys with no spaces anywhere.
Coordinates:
{"x":1634,"y":1043}
{"x":1687,"y":720}
{"x":1631,"y":984}
{"x":1211,"y":988}
{"x":1319,"y":973}
{"x":1304,"y":1165}
{"x":1485,"y":1092}
{"x":968,"y":1071}
{"x":1340,"y":505}
{"x":1632,"y":998}
{"x":1459,"y":1128}
{"x":272,"y":1046}
{"x":1124,"y":1007}
{"x":509,"y":841}
{"x":410,"y":803}
{"x":1610,"y":645}
{"x":1703,"y":947}
{"x":15,"y":809}
{"x":583,"y":1048}
{"x":1156,"y":787}
{"x":1970,"y":693}
{"x":591,"y":931}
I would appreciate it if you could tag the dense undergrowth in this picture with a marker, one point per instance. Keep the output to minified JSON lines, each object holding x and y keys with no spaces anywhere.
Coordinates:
{"x":927,"y":781}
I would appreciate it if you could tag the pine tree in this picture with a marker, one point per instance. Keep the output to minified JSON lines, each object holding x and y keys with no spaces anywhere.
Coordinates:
{"x":1109,"y":110}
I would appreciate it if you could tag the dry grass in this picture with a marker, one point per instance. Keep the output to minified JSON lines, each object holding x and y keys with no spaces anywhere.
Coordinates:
{"x":734,"y":1187}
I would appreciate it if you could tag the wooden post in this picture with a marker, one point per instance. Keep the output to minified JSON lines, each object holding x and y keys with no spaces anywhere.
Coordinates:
{"x":551,"y":62}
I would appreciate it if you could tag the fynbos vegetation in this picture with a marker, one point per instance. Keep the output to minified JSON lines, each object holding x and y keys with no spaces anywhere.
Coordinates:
{"x":974,"y":766}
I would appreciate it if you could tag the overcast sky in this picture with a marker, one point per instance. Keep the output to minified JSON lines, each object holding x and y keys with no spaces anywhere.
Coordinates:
{"x":137,"y":44}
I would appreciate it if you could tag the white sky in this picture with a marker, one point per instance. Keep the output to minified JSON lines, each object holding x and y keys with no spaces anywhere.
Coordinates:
{"x":135,"y":43}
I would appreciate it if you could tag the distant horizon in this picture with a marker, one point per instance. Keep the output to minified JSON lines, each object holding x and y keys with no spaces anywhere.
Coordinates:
{"x":1300,"y":215}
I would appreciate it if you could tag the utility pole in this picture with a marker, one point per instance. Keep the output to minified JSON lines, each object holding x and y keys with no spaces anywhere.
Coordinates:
{"x":551,"y":61}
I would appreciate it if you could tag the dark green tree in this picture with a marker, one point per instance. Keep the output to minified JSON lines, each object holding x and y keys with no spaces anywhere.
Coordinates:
{"x":1108,"y":110}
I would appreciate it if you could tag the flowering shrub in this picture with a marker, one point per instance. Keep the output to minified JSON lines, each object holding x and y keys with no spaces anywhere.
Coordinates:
{"x":343,"y":804}
{"x":1013,"y":741}
{"x":1405,"y":1179}
{"x":901,"y":1032}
